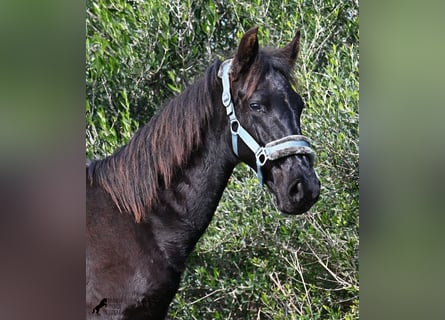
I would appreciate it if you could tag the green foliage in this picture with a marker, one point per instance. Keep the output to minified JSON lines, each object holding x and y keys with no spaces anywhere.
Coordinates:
{"x":102,"y":136}
{"x":253,"y":262}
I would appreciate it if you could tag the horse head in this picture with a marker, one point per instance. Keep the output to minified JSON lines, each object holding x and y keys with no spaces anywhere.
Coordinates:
{"x":264,"y":112}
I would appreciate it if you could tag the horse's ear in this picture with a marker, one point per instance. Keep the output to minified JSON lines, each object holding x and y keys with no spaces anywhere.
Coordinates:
{"x":247,"y":51}
{"x":291,"y":50}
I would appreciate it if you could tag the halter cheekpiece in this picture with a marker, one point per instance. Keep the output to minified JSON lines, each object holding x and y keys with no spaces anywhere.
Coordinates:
{"x":286,"y":146}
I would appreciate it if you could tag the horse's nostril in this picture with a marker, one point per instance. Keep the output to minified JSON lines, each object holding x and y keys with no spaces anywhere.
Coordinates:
{"x":316,"y":192}
{"x":296,"y":191}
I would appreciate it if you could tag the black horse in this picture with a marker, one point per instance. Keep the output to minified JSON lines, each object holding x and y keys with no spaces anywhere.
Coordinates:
{"x":102,"y":304}
{"x":150,"y":202}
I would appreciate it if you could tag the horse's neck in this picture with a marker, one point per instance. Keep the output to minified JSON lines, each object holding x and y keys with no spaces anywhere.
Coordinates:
{"x":199,"y":188}
{"x":186,"y":208}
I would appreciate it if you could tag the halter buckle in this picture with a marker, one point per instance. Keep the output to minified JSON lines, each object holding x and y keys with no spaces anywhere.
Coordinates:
{"x":261,"y":156}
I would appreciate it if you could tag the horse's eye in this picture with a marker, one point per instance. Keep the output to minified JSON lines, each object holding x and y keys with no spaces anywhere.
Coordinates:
{"x":256,"y":106}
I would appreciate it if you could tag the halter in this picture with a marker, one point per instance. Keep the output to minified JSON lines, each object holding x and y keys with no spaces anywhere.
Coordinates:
{"x":289,"y":145}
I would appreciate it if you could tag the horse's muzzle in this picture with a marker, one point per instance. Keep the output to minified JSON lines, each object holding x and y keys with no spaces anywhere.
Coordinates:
{"x":294,"y":183}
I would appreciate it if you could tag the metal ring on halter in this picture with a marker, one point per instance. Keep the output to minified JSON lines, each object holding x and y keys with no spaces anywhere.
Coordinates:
{"x":234,"y":123}
{"x":261,"y":157}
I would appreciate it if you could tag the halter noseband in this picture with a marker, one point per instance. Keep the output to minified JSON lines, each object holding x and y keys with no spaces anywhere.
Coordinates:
{"x":289,"y":145}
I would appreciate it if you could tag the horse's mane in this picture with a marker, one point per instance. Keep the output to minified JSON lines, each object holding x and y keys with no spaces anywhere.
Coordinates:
{"x":136,"y":173}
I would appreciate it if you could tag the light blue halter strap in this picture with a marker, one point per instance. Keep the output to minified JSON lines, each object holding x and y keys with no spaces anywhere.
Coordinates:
{"x":289,"y":145}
